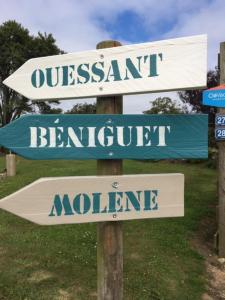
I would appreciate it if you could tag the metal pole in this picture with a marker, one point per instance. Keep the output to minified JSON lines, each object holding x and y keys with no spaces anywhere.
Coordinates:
{"x":110,"y":235}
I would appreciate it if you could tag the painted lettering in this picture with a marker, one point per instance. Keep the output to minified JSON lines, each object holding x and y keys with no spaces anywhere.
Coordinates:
{"x":99,"y":71}
{"x":105,"y":136}
{"x":114,"y":202}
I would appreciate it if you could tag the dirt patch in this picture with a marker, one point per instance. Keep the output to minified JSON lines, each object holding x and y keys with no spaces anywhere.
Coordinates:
{"x":135,"y":256}
{"x":93,"y":295}
{"x":2,"y":251}
{"x":39,"y":276}
{"x":215,"y":267}
{"x":63,"y":295}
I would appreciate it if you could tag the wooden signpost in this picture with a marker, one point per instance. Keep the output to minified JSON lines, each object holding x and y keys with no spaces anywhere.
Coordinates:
{"x":107,"y":136}
{"x":108,"y":73}
{"x":216,"y":97}
{"x":110,"y":234}
{"x":151,"y":67}
{"x":66,"y":200}
{"x":221,"y":165}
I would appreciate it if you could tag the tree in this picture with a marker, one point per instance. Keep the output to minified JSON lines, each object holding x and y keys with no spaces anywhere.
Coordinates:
{"x":194,"y":97}
{"x":83,"y":109}
{"x":16,"y":47}
{"x":164,"y":105}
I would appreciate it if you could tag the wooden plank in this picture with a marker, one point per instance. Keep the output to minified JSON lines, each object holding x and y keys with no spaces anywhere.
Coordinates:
{"x":107,"y":136}
{"x":110,"y":234}
{"x":169,"y":65}
{"x":66,"y":200}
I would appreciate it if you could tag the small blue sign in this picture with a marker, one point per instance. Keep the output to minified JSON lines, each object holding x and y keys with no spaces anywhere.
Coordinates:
{"x":220,"y":134}
{"x":214,"y":97}
{"x":220,"y":120}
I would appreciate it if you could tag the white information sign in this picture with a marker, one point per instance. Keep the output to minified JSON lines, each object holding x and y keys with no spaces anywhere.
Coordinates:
{"x":150,"y":67}
{"x":64,"y":200}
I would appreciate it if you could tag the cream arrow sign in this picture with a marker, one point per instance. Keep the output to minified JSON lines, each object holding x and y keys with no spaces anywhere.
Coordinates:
{"x":167,"y":65}
{"x":64,"y":200}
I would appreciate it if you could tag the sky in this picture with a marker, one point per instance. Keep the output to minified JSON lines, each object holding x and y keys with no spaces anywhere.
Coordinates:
{"x":78,"y":25}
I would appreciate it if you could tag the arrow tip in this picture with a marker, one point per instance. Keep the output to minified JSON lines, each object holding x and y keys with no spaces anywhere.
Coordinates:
{"x":8,"y":82}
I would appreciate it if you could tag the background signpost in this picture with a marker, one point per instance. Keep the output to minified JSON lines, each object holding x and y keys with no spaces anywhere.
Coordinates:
{"x":107,"y":136}
{"x":70,"y":200}
{"x":221,"y":164}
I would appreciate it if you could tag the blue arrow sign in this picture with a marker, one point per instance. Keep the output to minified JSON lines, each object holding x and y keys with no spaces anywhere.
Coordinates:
{"x":107,"y":136}
{"x":214,"y":97}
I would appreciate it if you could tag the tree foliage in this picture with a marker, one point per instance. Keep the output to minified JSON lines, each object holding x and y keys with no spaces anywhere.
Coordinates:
{"x":164,"y":105}
{"x":194,"y":97}
{"x":83,"y":109}
{"x":16,"y":47}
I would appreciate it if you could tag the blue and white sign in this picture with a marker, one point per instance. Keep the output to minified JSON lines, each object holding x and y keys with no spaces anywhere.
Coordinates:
{"x":220,"y":120}
{"x":214,"y":97}
{"x":220,"y":134}
{"x":107,"y":136}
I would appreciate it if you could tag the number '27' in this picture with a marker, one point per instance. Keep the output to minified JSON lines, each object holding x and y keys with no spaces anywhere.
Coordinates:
{"x":220,"y":120}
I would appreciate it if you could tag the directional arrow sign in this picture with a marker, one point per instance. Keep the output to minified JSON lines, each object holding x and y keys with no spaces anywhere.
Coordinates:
{"x":215,"y":96}
{"x":64,"y":200}
{"x":107,"y":136}
{"x":159,"y":66}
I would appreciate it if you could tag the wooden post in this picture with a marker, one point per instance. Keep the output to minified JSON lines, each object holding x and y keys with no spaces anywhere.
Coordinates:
{"x":221,"y":164}
{"x":110,"y":235}
{"x":10,"y":165}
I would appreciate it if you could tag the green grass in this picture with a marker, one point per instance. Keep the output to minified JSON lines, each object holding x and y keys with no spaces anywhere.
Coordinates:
{"x":59,"y":262}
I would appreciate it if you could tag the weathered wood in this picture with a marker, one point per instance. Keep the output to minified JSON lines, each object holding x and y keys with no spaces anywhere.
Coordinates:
{"x":110,"y":234}
{"x":10,"y":165}
{"x":221,"y":164}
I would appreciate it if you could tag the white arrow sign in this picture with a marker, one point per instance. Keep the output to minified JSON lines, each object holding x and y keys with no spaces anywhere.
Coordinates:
{"x":63,"y":200}
{"x":151,"y":67}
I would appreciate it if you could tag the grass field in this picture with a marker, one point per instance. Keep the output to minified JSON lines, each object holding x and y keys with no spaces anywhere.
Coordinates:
{"x":59,"y":262}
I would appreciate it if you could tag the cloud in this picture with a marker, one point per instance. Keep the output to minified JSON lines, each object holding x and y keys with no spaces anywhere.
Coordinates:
{"x":80,"y":25}
{"x":68,"y":21}
{"x":209,"y":19}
